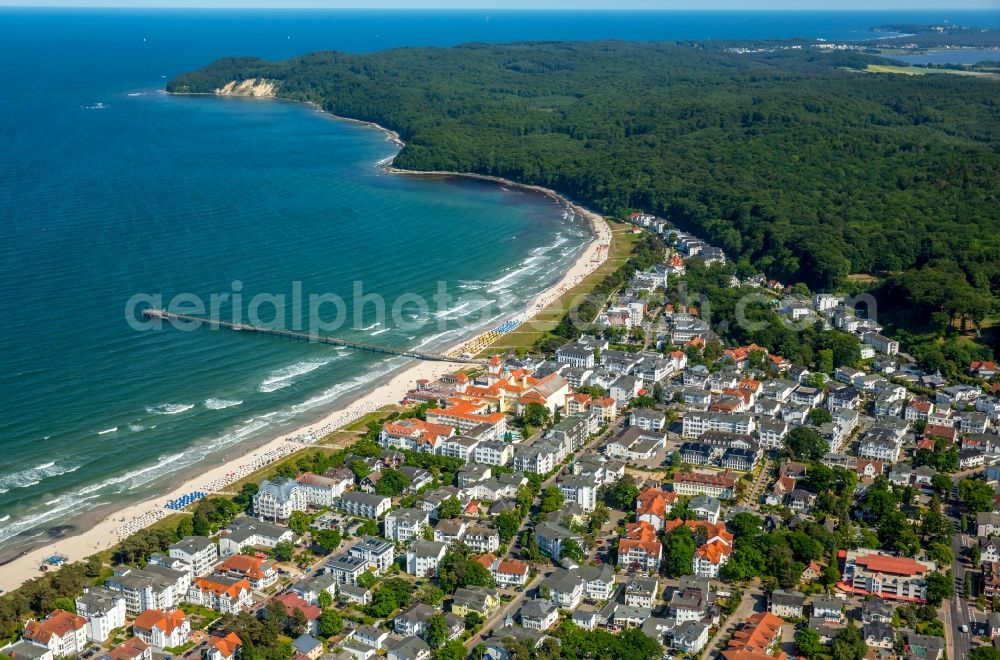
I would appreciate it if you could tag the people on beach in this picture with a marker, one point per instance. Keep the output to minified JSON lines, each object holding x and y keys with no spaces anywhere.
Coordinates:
{"x":261,"y":459}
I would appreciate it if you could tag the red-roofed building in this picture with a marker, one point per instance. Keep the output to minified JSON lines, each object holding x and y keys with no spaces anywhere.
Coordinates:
{"x":638,"y":548}
{"x":226,"y":595}
{"x":162,"y":629}
{"x":780,"y":363}
{"x":226,"y":648}
{"x":714,"y":484}
{"x":511,"y":573}
{"x":550,"y":391}
{"x":605,"y":407}
{"x":869,"y":572}
{"x":753,"y":655}
{"x":577,"y":403}
{"x":414,"y":434}
{"x":983,"y":369}
{"x":486,"y":560}
{"x":758,"y":636}
{"x":678,"y":360}
{"x":260,"y":573}
{"x":676,"y":266}
{"x":782,"y":487}
{"x":714,"y":549}
{"x":653,"y":505}
{"x":902,"y":566}
{"x":811,"y":572}
{"x":918,"y":410}
{"x":132,"y":648}
{"x":312,"y":612}
{"x":465,"y":414}
{"x":640,"y":531}
{"x":869,"y":469}
{"x":62,"y":632}
{"x":737,"y":356}
{"x":949,"y":433}
{"x":741,"y":354}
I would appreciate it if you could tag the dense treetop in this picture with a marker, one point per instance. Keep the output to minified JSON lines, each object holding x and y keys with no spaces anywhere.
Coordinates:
{"x":793,"y":158}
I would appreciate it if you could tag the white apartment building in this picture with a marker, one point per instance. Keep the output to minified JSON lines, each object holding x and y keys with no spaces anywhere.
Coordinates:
{"x":364,"y":505}
{"x":152,"y":587}
{"x":696,"y":423}
{"x":104,"y":611}
{"x":278,"y":498}
{"x":423,"y":557}
{"x":580,"y":489}
{"x":61,"y":632}
{"x":198,"y":552}
{"x":321,"y":490}
{"x":403,"y":525}
{"x":493,"y":453}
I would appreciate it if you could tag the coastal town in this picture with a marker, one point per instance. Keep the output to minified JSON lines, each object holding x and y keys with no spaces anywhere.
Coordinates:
{"x":642,"y":490}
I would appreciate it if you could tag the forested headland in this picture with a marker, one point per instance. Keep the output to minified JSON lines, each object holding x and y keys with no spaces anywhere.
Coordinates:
{"x":789,"y":158}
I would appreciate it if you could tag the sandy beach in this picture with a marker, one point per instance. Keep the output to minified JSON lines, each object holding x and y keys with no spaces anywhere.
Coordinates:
{"x":126,"y":521}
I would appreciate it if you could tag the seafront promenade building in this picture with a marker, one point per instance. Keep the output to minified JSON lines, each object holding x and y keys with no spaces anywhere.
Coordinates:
{"x":278,"y":498}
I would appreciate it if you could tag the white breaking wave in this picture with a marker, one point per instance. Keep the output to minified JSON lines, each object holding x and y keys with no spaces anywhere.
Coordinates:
{"x":452,"y":310}
{"x":135,"y":428}
{"x":284,"y":377}
{"x":220,"y":404}
{"x":427,"y":340}
{"x":34,"y":476}
{"x":548,"y":248}
{"x":355,"y":383}
{"x":476,"y":306}
{"x":106,"y":431}
{"x":169,"y":408}
{"x":59,"y":506}
{"x":501,"y":283}
{"x":378,"y":332}
{"x":130,"y":476}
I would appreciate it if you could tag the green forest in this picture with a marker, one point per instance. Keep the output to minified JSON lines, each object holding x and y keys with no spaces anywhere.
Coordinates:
{"x":791,"y":157}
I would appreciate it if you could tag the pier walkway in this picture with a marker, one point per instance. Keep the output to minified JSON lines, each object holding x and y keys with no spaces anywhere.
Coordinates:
{"x":292,"y":334}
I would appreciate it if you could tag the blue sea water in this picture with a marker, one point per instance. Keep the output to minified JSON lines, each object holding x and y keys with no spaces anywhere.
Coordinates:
{"x":963,"y":56}
{"x":109,"y":187}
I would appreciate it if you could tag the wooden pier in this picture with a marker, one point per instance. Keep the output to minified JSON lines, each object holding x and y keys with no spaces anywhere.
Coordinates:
{"x":164,"y":315}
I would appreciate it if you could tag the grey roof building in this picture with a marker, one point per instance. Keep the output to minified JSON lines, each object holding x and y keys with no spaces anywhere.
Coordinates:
{"x":408,"y":648}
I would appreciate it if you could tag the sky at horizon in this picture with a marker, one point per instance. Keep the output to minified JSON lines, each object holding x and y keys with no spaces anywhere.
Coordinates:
{"x":497,"y":5}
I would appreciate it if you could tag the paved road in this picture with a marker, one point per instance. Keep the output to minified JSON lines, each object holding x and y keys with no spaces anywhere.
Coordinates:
{"x":753,"y":601}
{"x":955,"y":613}
{"x":754,"y":493}
{"x":511,"y":607}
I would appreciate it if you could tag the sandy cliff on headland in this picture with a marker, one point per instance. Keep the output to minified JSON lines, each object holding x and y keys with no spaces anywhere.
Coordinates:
{"x":251,"y":87}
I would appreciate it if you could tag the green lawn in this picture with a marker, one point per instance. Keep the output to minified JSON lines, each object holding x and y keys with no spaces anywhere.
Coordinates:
{"x":327,"y":444}
{"x":362,"y":423}
{"x":201,"y":617}
{"x":622,"y":242}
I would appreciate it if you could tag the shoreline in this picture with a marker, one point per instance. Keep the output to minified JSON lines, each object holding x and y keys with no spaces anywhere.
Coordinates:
{"x":124,"y":521}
